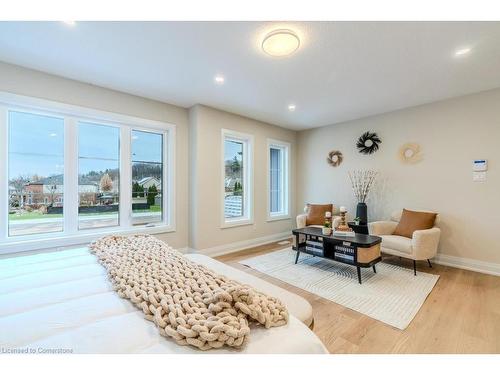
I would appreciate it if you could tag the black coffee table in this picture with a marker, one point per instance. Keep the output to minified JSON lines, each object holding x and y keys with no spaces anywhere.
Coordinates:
{"x":360,"y":250}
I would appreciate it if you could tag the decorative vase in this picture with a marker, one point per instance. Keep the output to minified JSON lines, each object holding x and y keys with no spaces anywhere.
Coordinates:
{"x":361,"y":212}
{"x":326,"y":231}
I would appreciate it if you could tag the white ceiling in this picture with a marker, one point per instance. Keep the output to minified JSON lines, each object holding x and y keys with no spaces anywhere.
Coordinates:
{"x":342,"y":70}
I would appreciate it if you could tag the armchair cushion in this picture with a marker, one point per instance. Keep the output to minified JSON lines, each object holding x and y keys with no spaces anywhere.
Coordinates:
{"x":316,"y":213}
{"x":398,"y":243}
{"x":378,"y":228}
{"x":412,"y":221}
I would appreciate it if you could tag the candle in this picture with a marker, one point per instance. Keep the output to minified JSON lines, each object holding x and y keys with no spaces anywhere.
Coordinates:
{"x":343,"y":209}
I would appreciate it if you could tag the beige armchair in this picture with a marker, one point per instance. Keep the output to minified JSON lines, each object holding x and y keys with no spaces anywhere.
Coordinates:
{"x":301,"y":223}
{"x":422,"y":246}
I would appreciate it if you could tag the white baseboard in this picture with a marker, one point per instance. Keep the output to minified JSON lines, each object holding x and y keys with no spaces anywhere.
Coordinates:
{"x":240,"y":245}
{"x":468,"y":264}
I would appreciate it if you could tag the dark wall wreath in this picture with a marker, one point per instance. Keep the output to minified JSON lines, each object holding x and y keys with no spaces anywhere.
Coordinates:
{"x":368,"y":143}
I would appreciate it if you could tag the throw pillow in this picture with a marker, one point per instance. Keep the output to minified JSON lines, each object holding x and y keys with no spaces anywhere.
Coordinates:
{"x":414,"y":220}
{"x":316,"y":213}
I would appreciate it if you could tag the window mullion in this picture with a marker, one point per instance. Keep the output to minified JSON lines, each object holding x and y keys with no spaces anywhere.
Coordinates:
{"x":70,"y":197}
{"x":125,"y":177}
{"x":4,"y":181}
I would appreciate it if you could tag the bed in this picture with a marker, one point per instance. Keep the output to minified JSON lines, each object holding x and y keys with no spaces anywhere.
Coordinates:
{"x":63,"y":302}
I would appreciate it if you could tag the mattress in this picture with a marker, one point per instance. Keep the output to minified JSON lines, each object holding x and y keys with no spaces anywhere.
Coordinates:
{"x":63,"y":301}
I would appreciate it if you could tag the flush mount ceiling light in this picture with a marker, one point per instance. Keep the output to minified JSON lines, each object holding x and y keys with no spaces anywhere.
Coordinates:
{"x":281,"y":42}
{"x":291,"y":107}
{"x":462,"y":52}
{"x":219,"y":79}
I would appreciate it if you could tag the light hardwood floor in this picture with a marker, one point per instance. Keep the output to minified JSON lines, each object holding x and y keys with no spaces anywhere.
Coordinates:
{"x":461,"y":315}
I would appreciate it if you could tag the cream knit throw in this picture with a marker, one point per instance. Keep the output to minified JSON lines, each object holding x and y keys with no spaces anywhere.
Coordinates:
{"x":186,"y":301}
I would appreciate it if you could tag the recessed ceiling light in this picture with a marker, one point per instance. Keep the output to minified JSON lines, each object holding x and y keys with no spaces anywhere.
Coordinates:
{"x":279,"y":43}
{"x":291,"y":107}
{"x":53,"y":134}
{"x":462,"y":51}
{"x":219,"y":79}
{"x":69,"y":23}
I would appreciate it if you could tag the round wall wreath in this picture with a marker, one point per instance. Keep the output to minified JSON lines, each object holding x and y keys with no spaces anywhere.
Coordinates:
{"x":368,"y":143}
{"x":410,"y":153}
{"x":334,"y":158}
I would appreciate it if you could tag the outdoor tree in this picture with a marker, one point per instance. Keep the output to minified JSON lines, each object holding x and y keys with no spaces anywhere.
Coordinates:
{"x":137,"y":190}
{"x":152,"y":193}
{"x":18,"y":184}
{"x":106,"y":183}
{"x":52,"y":192}
{"x":238,"y":188}
{"x":235,"y":165}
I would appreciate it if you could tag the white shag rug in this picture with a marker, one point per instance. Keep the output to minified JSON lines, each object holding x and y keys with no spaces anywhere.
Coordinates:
{"x":393,"y":295}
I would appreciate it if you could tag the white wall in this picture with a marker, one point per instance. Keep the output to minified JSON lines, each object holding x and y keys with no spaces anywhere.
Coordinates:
{"x":206,"y":125}
{"x":452,"y":134}
{"x":22,"y":81}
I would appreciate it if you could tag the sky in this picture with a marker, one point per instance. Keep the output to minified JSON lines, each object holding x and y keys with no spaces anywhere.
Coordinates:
{"x":231,"y":150}
{"x":36,"y":146}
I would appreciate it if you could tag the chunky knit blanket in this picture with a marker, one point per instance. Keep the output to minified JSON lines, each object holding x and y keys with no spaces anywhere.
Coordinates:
{"x":186,"y":301}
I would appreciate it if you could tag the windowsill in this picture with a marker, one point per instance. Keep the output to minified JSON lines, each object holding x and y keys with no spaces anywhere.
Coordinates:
{"x":14,"y":245}
{"x":278,"y":218}
{"x":236,"y":223}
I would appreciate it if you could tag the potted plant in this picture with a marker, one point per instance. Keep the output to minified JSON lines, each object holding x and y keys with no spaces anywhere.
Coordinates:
{"x":357,"y":220}
{"x":327,"y":228}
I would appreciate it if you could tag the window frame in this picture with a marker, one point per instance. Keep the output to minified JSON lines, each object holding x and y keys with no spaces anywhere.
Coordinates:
{"x":164,"y":182}
{"x":248,"y":162}
{"x":72,"y":115}
{"x":285,"y":147}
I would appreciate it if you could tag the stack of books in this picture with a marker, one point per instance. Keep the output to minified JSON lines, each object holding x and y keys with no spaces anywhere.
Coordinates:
{"x":345,"y":233}
{"x":344,"y":253}
{"x":314,"y":247}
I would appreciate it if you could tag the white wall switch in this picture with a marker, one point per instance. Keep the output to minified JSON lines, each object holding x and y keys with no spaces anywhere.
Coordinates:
{"x":479,"y":176}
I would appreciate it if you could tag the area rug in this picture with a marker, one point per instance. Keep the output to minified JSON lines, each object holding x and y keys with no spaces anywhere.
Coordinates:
{"x":393,"y":295}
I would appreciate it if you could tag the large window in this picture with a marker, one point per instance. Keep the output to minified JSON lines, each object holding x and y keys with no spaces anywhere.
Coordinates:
{"x":98,"y":175}
{"x":278,"y":164}
{"x":147,"y":177}
{"x":35,"y":173}
{"x":237,"y":184}
{"x":73,"y":174}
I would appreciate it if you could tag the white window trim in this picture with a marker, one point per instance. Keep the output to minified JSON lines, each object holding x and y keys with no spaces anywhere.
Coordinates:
{"x":287,"y":147}
{"x":248,"y":162}
{"x":72,"y":114}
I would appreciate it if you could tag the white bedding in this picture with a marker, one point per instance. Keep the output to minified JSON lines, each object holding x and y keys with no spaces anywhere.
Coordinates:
{"x":63,"y":300}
